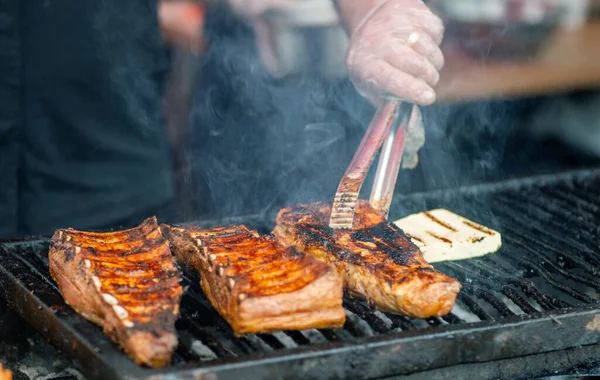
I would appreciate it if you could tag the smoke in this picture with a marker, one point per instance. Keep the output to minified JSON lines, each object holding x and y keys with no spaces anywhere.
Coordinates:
{"x":573,"y":119}
{"x":260,"y":143}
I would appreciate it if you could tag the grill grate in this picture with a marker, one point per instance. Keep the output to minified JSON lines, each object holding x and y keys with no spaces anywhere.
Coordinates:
{"x":539,"y":293}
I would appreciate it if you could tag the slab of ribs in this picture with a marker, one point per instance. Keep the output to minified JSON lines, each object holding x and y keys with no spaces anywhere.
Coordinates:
{"x":125,"y":281}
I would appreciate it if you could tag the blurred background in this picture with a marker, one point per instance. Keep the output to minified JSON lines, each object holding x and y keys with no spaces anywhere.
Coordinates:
{"x":262,"y":114}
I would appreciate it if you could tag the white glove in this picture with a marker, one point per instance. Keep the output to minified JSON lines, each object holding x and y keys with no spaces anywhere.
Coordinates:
{"x":394,"y":51}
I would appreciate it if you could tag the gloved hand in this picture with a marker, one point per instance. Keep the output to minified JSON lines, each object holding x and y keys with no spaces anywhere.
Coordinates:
{"x":394,"y":51}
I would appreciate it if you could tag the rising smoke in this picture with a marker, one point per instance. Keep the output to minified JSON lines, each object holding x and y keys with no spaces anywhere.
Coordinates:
{"x":260,"y":143}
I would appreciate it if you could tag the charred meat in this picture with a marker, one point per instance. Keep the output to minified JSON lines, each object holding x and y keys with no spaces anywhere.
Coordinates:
{"x":256,"y":284}
{"x":376,"y":259}
{"x":125,"y":281}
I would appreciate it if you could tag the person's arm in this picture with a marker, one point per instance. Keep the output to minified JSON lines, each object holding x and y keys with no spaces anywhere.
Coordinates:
{"x":182,"y":24}
{"x":353,"y":12}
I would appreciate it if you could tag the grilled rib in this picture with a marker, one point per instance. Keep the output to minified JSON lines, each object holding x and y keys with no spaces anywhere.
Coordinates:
{"x":125,"y":281}
{"x":5,"y":374}
{"x":376,"y":259}
{"x":256,"y":284}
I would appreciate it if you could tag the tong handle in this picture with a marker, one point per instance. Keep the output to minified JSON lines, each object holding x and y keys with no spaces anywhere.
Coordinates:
{"x":390,"y":158}
{"x":346,"y":198}
{"x":372,"y":140}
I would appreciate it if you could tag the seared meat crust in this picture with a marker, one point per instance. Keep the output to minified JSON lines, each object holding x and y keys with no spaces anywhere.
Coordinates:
{"x":376,"y":259}
{"x":125,"y":281}
{"x":256,"y":284}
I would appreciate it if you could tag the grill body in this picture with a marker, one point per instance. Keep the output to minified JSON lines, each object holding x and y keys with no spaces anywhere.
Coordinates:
{"x":538,"y":294}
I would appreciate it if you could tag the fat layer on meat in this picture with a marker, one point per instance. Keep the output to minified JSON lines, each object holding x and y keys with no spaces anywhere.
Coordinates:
{"x":125,"y":281}
{"x":377,"y":261}
{"x":256,"y":284}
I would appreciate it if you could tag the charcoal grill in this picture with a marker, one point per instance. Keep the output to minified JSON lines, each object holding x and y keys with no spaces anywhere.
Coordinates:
{"x":538,"y":294}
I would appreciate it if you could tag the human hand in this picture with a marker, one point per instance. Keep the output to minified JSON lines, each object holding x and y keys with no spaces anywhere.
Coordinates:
{"x":395,"y":52}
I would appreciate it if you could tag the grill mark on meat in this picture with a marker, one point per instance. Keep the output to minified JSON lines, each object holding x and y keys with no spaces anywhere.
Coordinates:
{"x":377,"y":235}
{"x":438,"y":221}
{"x":478,"y":227}
{"x":128,"y":274}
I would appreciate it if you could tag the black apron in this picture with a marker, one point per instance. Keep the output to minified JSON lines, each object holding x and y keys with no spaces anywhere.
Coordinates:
{"x":83,"y":142}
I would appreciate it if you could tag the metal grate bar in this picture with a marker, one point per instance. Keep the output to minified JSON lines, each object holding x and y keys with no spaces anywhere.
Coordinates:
{"x":434,"y":322}
{"x":334,"y":335}
{"x":497,"y":273}
{"x":474,"y":306}
{"x":185,"y":348}
{"x":452,"y":319}
{"x":401,"y":322}
{"x":566,"y":273}
{"x":353,"y":329}
{"x":550,"y":224}
{"x":271,"y":340}
{"x":518,"y":300}
{"x":216,"y":341}
{"x":474,"y":278}
{"x":34,"y":269}
{"x":582,"y":201}
{"x":297,"y":336}
{"x":588,"y":263}
{"x":588,"y":195}
{"x":490,"y":298}
{"x":507,"y":280}
{"x":564,"y":205}
{"x":365,"y":314}
{"x":466,"y":274}
{"x":551,"y":280}
{"x":542,"y":299}
{"x":561,"y":211}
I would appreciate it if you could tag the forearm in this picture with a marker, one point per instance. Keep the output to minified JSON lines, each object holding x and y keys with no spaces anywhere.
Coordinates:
{"x":352,"y":12}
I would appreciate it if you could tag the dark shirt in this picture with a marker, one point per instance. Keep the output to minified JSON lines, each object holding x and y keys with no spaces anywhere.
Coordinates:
{"x":83,"y":141}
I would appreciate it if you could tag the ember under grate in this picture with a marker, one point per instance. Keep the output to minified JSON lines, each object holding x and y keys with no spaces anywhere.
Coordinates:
{"x":539,"y":293}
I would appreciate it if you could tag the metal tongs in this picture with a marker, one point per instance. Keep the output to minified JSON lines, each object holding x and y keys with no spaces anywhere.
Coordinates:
{"x":389,"y":128}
